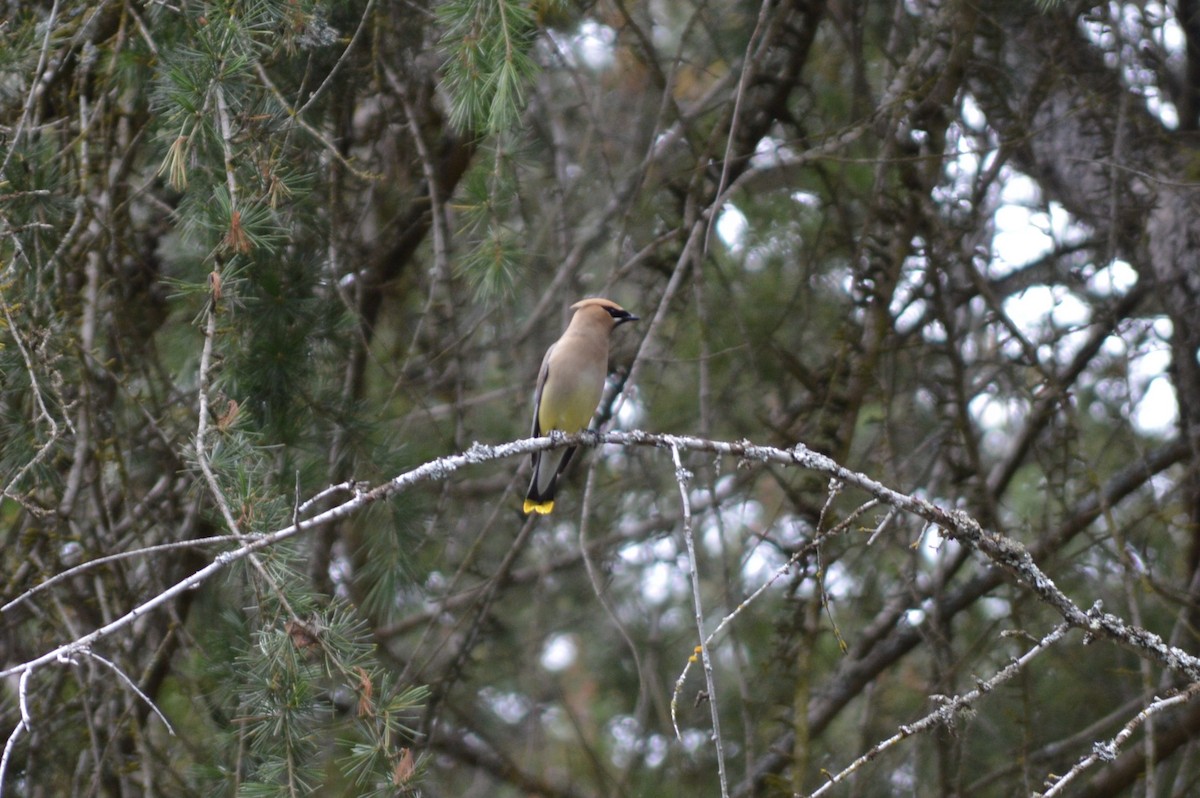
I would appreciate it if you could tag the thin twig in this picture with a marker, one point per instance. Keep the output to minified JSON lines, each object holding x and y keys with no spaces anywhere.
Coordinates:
{"x":39,"y":402}
{"x":24,"y":724}
{"x":362,"y":25}
{"x":1107,"y":751}
{"x":145,"y":698}
{"x":227,"y":146}
{"x":945,"y":714}
{"x":749,"y":65}
{"x":585,"y":550}
{"x":295,"y":116}
{"x":201,"y":449}
{"x":210,"y":477}
{"x":122,"y":555}
{"x":38,"y":83}
{"x":682,"y":477}
{"x":835,"y":490}
{"x":808,"y":548}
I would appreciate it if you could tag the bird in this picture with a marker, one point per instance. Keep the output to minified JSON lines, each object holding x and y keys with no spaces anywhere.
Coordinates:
{"x":569,"y":386}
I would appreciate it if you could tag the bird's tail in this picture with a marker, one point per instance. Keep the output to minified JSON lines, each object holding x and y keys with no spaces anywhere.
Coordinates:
{"x":544,"y":483}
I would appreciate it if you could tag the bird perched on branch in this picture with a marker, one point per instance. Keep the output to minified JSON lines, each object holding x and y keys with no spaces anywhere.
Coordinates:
{"x":569,"y":387}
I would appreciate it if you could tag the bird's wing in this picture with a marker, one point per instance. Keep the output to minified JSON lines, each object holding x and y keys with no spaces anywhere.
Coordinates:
{"x":543,"y":373}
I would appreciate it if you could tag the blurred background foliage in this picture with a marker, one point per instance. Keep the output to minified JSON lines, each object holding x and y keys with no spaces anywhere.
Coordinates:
{"x":951,"y":245}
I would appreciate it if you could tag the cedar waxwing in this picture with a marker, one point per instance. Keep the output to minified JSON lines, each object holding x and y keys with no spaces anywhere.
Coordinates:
{"x":569,"y":387}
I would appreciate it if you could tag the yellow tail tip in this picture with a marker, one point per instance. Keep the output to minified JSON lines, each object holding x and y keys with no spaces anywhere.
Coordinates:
{"x":541,"y":508}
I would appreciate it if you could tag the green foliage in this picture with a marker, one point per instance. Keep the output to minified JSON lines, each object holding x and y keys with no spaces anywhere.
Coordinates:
{"x":492,"y":264}
{"x":488,"y":45}
{"x":385,"y":573}
{"x":308,"y":674}
{"x":495,"y":252}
